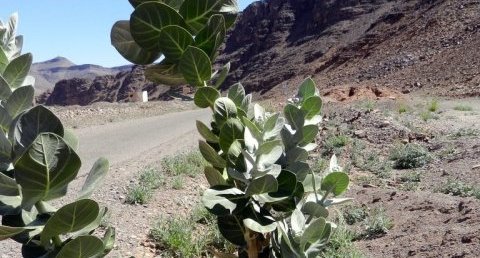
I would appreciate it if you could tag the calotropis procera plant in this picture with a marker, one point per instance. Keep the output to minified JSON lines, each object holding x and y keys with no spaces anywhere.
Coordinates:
{"x":37,"y":162}
{"x":266,"y":198}
{"x":186,"y":33}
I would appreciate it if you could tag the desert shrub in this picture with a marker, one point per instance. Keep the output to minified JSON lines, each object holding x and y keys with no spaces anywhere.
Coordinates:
{"x":333,"y":143}
{"x":463,"y":107}
{"x":369,"y":160}
{"x":433,"y":106}
{"x":409,"y":155}
{"x":142,"y":192}
{"x":354,"y":214}
{"x":341,"y":244}
{"x":402,"y":108}
{"x":188,"y":163}
{"x":38,"y":161}
{"x":377,"y":224}
{"x":459,"y":188}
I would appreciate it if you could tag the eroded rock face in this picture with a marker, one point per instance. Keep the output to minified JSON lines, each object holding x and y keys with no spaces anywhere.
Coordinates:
{"x":399,"y":44}
{"x":122,"y":87}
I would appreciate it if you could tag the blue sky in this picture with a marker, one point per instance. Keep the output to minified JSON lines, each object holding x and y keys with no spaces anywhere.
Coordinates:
{"x":76,"y":29}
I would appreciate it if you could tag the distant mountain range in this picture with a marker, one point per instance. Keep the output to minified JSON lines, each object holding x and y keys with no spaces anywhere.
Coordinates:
{"x":49,"y":72}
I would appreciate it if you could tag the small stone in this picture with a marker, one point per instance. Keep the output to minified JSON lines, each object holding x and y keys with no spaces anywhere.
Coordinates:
{"x":360,"y":133}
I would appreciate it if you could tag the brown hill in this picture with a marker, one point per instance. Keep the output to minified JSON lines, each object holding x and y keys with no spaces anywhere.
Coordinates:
{"x":404,"y":45}
{"x":122,"y":87}
{"x":49,"y":72}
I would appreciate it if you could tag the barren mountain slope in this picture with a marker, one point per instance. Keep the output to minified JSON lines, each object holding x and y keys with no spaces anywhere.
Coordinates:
{"x":404,"y":45}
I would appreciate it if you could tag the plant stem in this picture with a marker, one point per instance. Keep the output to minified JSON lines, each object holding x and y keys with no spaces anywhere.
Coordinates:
{"x":251,"y":240}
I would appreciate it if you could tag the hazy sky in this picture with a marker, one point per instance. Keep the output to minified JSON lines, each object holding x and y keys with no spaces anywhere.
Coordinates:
{"x":76,"y":29}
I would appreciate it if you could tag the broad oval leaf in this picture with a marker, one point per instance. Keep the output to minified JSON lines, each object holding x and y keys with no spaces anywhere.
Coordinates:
{"x":206,"y":97}
{"x":206,"y":133}
{"x":294,"y":116}
{"x":224,"y":200}
{"x":82,"y":247}
{"x":308,"y":135}
{"x":231,"y":227}
{"x":312,"y":107}
{"x":264,"y":184}
{"x":165,"y":73}
{"x":220,"y":77}
{"x":8,"y":186}
{"x":224,"y":109}
{"x":5,"y":149}
{"x":172,"y":3}
{"x":268,"y":153}
{"x":70,"y":218}
{"x":307,"y":89}
{"x":314,"y":209}
{"x":211,"y":155}
{"x":147,"y":21}
{"x":70,"y":138}
{"x":212,"y":35}
{"x":5,"y":90}
{"x":195,"y":65}
{"x":236,"y":93}
{"x":7,"y":232}
{"x":122,"y":40}
{"x":231,"y":131}
{"x":214,"y":177}
{"x":20,"y":100}
{"x":17,"y":70}
{"x":95,"y":178}
{"x":45,"y":169}
{"x":272,"y":127}
{"x":173,"y":41}
{"x":197,"y":12}
{"x":35,"y":121}
{"x":3,"y":62}
{"x":335,"y":182}
{"x":313,"y":232}
{"x":260,"y":224}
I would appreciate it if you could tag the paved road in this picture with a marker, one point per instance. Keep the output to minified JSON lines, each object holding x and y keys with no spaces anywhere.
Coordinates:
{"x":124,"y":140}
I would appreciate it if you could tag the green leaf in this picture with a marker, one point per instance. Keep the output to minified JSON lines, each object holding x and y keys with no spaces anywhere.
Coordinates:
{"x":307,"y":89}
{"x":308,"y":135}
{"x":195,"y":65}
{"x":287,"y":183}
{"x":197,"y":12}
{"x":300,"y":169}
{"x":211,"y":155}
{"x":70,"y":218}
{"x":214,"y":177}
{"x":297,"y":220}
{"x":172,"y":3}
{"x":95,"y":178}
{"x":147,"y":21}
{"x":165,"y":73}
{"x":7,"y":232}
{"x":222,"y":75}
{"x":173,"y":41}
{"x":296,"y":155}
{"x":229,"y":10}
{"x":82,"y":247}
{"x":20,"y":100}
{"x":109,"y":240}
{"x":206,"y":133}
{"x":45,"y":169}
{"x":17,"y":70}
{"x":206,"y":96}
{"x":272,"y":127}
{"x":212,"y":35}
{"x":3,"y":60}
{"x":236,"y":93}
{"x":122,"y":40}
{"x":259,"y":220}
{"x":313,"y":232}
{"x":264,"y":184}
{"x":223,"y":200}
{"x":5,"y":90}
{"x":231,"y":131}
{"x":70,"y":138}
{"x":252,"y":135}
{"x":35,"y":121}
{"x":93,"y":225}
{"x":8,"y":186}
{"x":335,"y":182}
{"x":268,"y":153}
{"x":5,"y":149}
{"x":231,"y":227}
{"x":314,"y":209}
{"x":294,"y":116}
{"x":312,"y":107}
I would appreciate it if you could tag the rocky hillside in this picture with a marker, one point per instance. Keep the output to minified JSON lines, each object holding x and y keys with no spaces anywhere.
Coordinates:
{"x":401,"y":45}
{"x":48,"y":73}
{"x":122,"y":87}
